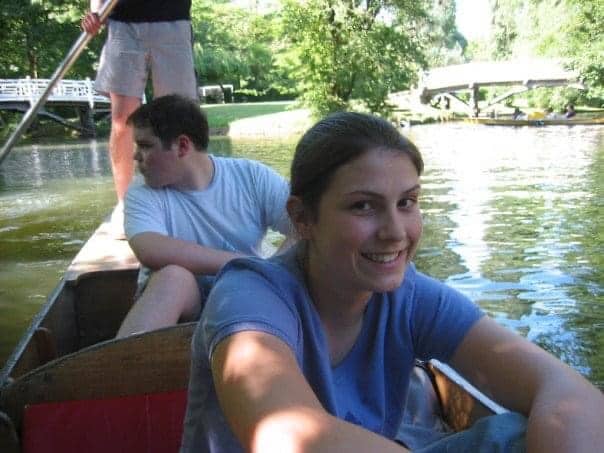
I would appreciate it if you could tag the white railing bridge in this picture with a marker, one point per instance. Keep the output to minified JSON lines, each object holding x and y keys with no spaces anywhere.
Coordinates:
{"x":66,"y":92}
{"x":18,"y":95}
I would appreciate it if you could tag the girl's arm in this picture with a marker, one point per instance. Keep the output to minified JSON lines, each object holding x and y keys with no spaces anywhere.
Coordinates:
{"x":270,"y":406}
{"x":565,"y":412}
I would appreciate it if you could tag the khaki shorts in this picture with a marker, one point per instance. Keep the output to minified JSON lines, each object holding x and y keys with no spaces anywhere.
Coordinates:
{"x":135,"y":50}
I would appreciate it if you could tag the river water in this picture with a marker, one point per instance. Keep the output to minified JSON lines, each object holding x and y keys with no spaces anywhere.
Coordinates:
{"x":514,"y":218}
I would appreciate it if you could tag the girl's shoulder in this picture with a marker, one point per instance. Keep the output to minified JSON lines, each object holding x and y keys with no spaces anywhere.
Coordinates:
{"x":280,"y":272}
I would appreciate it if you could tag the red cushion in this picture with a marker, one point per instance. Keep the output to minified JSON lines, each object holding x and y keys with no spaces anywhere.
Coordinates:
{"x":140,"y":423}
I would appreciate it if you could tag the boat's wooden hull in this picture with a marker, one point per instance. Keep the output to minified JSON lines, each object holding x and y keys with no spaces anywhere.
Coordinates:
{"x":536,"y":122}
{"x":69,"y":352}
{"x":78,"y":314}
{"x":86,"y":307}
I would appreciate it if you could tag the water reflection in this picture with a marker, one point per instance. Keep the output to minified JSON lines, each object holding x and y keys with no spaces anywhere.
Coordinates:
{"x":513,"y":218}
{"x":34,"y":165}
{"x":515,"y":237}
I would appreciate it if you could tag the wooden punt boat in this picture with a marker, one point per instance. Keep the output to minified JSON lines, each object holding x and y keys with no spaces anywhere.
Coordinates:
{"x":69,"y":359}
{"x":536,"y":122}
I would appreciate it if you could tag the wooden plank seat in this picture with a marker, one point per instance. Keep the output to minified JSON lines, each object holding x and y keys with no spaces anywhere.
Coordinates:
{"x":150,"y":362}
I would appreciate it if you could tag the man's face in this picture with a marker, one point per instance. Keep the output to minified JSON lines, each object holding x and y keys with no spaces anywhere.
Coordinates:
{"x":156,"y":163}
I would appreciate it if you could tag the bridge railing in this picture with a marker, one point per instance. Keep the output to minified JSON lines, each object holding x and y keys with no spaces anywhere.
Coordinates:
{"x":66,"y":91}
{"x":530,"y":73}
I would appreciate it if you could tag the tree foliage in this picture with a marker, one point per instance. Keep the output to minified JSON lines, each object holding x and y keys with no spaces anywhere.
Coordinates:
{"x":232,"y":45}
{"x":344,"y":50}
{"x":447,"y":44}
{"x":568,"y":29}
{"x":585,"y":45}
{"x":505,"y":27}
{"x":37,"y":34}
{"x":333,"y":52}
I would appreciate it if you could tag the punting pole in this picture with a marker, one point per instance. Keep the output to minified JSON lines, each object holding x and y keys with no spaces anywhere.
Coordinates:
{"x":67,"y":62}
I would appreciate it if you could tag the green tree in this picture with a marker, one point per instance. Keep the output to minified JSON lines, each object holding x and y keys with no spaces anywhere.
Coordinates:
{"x":236,"y":46}
{"x":568,"y":29}
{"x":505,"y":27}
{"x":584,"y":45}
{"x":342,"y":51}
{"x":37,"y":35}
{"x":448,"y":45}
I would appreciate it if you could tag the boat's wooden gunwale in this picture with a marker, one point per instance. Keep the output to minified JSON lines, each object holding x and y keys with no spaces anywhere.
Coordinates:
{"x":462,"y":403}
{"x":9,"y":440}
{"x":101,"y":252}
{"x":25,"y":354}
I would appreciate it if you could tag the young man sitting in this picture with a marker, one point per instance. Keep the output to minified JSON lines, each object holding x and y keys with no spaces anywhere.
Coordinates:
{"x":194,"y":213}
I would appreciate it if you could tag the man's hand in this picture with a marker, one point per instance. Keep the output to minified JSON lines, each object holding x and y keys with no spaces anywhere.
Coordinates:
{"x":91,"y":23}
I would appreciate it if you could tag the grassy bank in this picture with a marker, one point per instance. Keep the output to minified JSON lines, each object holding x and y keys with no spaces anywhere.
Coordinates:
{"x":222,"y":115}
{"x":220,"y":118}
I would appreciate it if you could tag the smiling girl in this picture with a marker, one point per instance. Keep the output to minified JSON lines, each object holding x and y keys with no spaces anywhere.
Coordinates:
{"x":313,"y":350}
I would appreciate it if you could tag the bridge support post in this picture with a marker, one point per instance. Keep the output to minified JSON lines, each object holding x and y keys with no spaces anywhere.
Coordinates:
{"x":474,"y":99}
{"x":86,"y":116}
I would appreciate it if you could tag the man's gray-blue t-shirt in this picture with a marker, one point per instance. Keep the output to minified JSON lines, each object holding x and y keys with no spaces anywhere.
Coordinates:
{"x":244,"y":199}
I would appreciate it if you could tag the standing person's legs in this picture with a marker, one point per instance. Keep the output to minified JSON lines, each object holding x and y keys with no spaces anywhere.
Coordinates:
{"x":122,"y":75}
{"x":121,"y":142}
{"x":171,"y":58}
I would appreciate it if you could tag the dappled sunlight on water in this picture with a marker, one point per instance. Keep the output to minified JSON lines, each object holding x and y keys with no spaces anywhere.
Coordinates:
{"x":513,"y":217}
{"x":521,"y":231}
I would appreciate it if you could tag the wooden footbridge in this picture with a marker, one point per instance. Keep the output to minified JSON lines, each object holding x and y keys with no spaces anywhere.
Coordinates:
{"x":18,"y":95}
{"x":522,"y":75}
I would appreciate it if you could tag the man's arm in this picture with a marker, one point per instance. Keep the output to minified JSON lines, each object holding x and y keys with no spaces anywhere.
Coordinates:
{"x":156,"y":250}
{"x":270,"y":406}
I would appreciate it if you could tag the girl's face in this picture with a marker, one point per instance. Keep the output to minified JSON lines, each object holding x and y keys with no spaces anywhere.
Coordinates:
{"x":368,"y":224}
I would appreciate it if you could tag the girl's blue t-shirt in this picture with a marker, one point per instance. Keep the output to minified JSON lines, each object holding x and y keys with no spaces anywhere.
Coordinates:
{"x":422,"y":319}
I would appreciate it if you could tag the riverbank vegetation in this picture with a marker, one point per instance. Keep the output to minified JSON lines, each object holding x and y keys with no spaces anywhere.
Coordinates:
{"x":570,"y":30}
{"x":332,"y":54}
{"x":222,"y":115}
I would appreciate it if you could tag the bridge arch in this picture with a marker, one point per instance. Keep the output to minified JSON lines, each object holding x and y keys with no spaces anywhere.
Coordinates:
{"x":520,"y":75}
